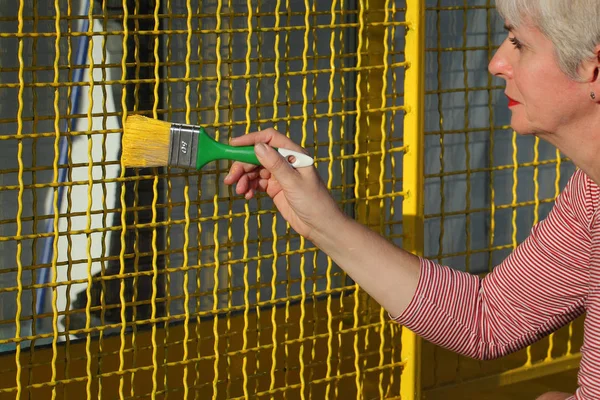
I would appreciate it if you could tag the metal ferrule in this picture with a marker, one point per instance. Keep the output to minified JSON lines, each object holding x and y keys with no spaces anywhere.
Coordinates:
{"x":184,"y":146}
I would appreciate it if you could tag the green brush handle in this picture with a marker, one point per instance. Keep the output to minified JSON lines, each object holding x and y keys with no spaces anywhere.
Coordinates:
{"x":211,"y":150}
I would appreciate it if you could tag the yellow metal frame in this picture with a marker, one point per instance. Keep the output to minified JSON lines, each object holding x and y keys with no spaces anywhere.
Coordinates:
{"x":413,"y":212}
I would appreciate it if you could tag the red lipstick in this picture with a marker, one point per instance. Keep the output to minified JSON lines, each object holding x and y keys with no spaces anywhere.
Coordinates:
{"x":512,"y":103}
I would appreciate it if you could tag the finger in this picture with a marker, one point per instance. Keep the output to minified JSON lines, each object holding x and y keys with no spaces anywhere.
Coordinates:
{"x":264,"y":173}
{"x":252,"y":175}
{"x":269,"y":136}
{"x":254,"y":187}
{"x":237,"y":170}
{"x":282,"y":171}
{"x":263,"y":184}
{"x":243,"y":185}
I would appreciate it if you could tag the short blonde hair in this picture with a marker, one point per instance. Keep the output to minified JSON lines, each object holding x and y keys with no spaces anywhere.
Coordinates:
{"x":573,"y":26}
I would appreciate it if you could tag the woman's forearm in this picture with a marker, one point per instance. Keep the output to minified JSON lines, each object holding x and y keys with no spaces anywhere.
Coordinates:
{"x":388,"y":273}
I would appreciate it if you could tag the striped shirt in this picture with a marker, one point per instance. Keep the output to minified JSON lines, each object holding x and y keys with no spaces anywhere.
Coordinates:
{"x":549,"y":280}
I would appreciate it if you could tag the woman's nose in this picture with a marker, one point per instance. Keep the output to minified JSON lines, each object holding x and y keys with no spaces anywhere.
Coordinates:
{"x":500,"y":65}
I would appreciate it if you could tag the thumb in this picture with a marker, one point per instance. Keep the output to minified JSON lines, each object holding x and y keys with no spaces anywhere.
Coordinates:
{"x":275,"y":163}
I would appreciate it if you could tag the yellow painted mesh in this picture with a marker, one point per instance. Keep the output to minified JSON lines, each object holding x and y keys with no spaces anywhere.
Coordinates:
{"x":162,"y":282}
{"x":485,"y":188}
{"x":193,"y":292}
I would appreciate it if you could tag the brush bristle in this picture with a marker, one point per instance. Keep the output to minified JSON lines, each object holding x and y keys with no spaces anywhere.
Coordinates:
{"x":146,"y":142}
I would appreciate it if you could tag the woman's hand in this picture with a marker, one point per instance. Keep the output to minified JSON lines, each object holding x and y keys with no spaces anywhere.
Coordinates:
{"x":299,"y":194}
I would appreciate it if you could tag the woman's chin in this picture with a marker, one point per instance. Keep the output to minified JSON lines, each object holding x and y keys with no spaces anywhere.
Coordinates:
{"x":521,"y":128}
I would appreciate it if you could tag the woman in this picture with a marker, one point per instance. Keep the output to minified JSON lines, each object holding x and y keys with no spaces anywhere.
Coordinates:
{"x":550,"y":61}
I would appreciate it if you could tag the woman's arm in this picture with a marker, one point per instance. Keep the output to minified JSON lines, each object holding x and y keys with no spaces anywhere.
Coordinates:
{"x":388,"y":273}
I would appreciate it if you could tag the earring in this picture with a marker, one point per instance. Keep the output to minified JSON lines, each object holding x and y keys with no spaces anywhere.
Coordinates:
{"x":593,"y":96}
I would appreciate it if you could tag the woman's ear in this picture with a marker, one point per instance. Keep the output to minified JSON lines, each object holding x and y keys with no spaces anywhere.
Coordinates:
{"x":591,"y":74}
{"x":589,"y":68}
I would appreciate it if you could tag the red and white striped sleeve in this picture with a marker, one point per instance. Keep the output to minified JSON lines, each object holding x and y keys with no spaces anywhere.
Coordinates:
{"x":544,"y":284}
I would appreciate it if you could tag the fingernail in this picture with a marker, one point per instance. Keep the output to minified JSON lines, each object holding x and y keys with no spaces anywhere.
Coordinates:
{"x":260,"y":149}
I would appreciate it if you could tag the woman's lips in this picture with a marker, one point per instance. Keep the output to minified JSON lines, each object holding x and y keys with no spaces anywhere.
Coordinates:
{"x":512,"y":103}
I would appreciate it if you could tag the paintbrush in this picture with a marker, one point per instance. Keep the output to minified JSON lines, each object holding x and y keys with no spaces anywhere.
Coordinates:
{"x":149,"y":142}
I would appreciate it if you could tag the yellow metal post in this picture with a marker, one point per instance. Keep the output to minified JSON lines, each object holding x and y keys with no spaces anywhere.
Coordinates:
{"x":369,"y":133}
{"x":413,"y":208}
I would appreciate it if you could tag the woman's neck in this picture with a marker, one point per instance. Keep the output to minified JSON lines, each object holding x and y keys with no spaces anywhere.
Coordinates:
{"x":581,"y":144}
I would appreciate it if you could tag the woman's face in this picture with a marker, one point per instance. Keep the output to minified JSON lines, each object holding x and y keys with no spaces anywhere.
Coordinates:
{"x":542,"y":98}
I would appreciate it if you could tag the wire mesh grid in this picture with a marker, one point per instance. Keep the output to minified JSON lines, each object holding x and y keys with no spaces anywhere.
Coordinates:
{"x":192,"y":291}
{"x":485,"y":185}
{"x":162,"y":283}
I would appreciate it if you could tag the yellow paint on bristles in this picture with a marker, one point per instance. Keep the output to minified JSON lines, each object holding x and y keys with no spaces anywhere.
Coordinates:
{"x":146,"y":142}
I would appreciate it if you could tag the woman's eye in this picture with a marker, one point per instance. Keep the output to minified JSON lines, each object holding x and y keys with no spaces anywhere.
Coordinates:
{"x":515,"y":42}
